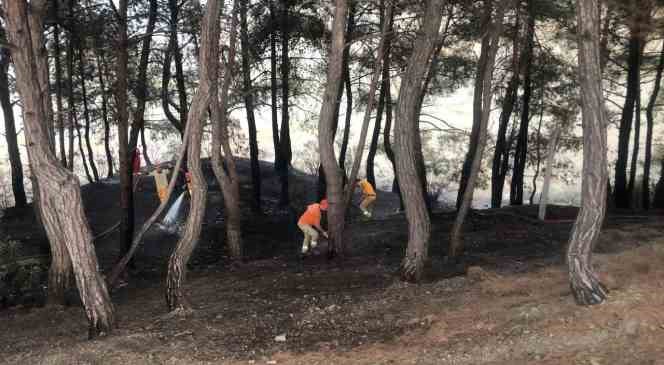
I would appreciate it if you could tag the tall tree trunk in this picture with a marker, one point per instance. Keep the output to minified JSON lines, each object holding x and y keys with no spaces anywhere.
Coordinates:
{"x":550,"y":156}
{"x":121,"y":74}
{"x":173,"y":53}
{"x":333,"y":174}
{"x":481,"y":112}
{"x":634,"y":201}
{"x":373,"y":147}
{"x":622,"y":196}
{"x":104,"y":113}
{"x":585,"y":286}
{"x":70,"y":88}
{"x":146,"y":156}
{"x":347,"y":84}
{"x":225,"y":171}
{"x":58,"y":88}
{"x":59,"y":191}
{"x":650,"y":117}
{"x":285,"y":152}
{"x":405,"y":143}
{"x":208,"y":58}
{"x":521,"y":152}
{"x":538,"y":152}
{"x":82,"y":152}
{"x":273,"y":84}
{"x":501,"y":152}
{"x":141,"y":91}
{"x":249,"y":106}
{"x":86,"y":114}
{"x":20,"y":201}
{"x":658,"y":199}
{"x":371,"y":100}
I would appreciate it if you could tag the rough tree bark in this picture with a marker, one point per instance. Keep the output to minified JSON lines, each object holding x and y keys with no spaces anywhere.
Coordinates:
{"x":249,"y":106}
{"x":650,"y":117}
{"x":81,"y":151}
{"x":225,"y":171}
{"x":333,"y":174}
{"x":521,"y":151}
{"x":208,"y":58}
{"x":585,"y":286}
{"x":621,"y":193}
{"x":405,"y":129}
{"x":59,"y":190}
{"x":20,"y":200}
{"x":481,"y":112}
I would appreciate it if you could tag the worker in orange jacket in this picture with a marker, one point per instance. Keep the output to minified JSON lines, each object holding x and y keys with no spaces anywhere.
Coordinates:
{"x":309,"y":224}
{"x":368,"y":196}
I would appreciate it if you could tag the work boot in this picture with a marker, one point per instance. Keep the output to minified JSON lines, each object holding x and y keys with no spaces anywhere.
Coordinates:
{"x":305,"y":249}
{"x":314,"y":244}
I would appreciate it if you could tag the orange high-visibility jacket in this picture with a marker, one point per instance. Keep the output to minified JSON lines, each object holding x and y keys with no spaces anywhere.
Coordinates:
{"x":311,"y":216}
{"x":367,"y":189}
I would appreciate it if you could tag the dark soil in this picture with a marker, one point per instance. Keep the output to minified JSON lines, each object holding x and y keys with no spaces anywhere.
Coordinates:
{"x":512,"y":307}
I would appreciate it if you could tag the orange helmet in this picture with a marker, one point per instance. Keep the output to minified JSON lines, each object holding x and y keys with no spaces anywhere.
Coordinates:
{"x":324,"y":204}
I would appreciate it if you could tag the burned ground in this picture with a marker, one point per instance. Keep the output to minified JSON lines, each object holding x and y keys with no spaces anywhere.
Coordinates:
{"x":513,"y":305}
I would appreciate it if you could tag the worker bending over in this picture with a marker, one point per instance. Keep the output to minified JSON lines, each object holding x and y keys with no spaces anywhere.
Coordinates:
{"x":368,"y":196}
{"x":309,"y":224}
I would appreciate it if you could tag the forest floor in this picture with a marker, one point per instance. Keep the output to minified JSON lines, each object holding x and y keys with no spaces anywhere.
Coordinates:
{"x":513,"y":306}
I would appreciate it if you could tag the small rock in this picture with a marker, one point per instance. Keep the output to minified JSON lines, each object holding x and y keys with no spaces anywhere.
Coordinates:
{"x":631,"y":327}
{"x":595,"y":361}
{"x":280,"y":338}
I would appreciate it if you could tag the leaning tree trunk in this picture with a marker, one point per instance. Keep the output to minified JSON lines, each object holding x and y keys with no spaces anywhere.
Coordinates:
{"x":208,"y":57}
{"x":70,"y":91}
{"x":521,"y":151}
{"x":621,"y":192}
{"x":585,"y":286}
{"x":333,"y":174}
{"x":86,"y":115}
{"x":59,"y":191}
{"x":249,"y":106}
{"x":538,"y":151}
{"x":550,"y":157}
{"x":13,"y":152}
{"x":347,"y":84}
{"x":481,"y":113}
{"x":407,"y":110}
{"x":650,"y":117}
{"x":225,"y":171}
